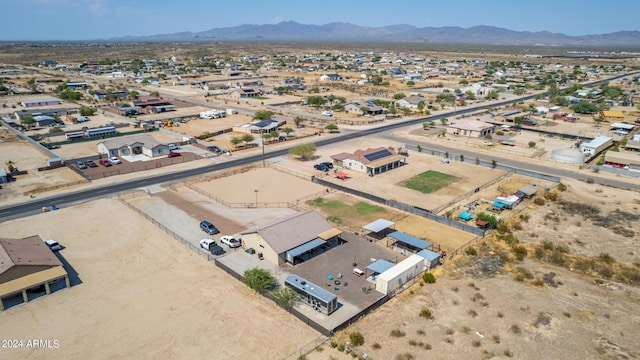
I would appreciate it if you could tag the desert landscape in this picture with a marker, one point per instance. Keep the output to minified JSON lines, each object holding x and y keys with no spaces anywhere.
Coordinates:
{"x":556,"y":276}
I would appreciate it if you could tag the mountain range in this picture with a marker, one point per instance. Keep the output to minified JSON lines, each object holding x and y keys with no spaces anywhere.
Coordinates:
{"x":339,"y":31}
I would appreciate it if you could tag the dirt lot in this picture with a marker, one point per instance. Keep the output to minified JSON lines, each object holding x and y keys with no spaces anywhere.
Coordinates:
{"x":481,"y":311}
{"x":142,"y":295}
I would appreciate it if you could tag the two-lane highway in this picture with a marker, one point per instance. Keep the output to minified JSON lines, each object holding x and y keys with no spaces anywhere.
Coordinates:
{"x":32,"y":206}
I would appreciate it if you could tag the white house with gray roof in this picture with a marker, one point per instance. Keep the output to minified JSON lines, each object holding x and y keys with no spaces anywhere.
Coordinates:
{"x":133,"y":145}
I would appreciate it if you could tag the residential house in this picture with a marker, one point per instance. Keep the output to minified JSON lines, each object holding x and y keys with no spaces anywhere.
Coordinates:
{"x":411,"y":102}
{"x":28,"y":264}
{"x":612,"y":115}
{"x":39,"y":102}
{"x":331,"y":77}
{"x":133,"y":145}
{"x":470,"y":128}
{"x":290,"y":239}
{"x":371,"y":161}
{"x":245,"y":93}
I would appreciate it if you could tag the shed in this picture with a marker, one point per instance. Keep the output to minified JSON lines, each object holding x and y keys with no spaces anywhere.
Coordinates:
{"x":482,"y":224}
{"x":55,"y":162}
{"x":378,"y":225}
{"x":527,"y":191}
{"x":379,"y":266}
{"x":466,"y":216}
{"x":410,"y":242}
{"x":401,"y":274}
{"x":432,"y":258}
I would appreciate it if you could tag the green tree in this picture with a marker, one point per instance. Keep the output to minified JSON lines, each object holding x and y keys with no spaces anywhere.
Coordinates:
{"x":287,"y":130}
{"x":314,"y":90}
{"x":463,"y":82}
{"x":304,"y":151}
{"x":32,"y":85}
{"x":491,"y":95}
{"x":444,"y":121}
{"x":258,"y":279}
{"x":494,"y":163}
{"x":70,"y":95}
{"x":247,"y":138}
{"x":411,"y":83}
{"x":235,"y":141}
{"x":532,"y":144}
{"x":331,"y":128}
{"x":492,"y":220}
{"x":316,"y":101}
{"x":263,"y":115}
{"x":10,"y":165}
{"x":28,"y":121}
{"x":133,"y":94}
{"x":585,"y":108}
{"x":87,"y":111}
{"x":298,"y":121}
{"x":285,"y":297}
{"x":155,"y":94}
{"x":399,"y":96}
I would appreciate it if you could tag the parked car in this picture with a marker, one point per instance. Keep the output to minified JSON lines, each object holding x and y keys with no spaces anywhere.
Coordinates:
{"x":173,"y":154}
{"x":90,"y":164}
{"x":174,"y":147}
{"x":324,"y":166}
{"x":327,"y":113}
{"x":210,"y":244}
{"x":230,"y":241}
{"x":53,"y":245}
{"x":114,"y":160}
{"x":208,"y":227}
{"x":104,"y":162}
{"x":81,"y":165}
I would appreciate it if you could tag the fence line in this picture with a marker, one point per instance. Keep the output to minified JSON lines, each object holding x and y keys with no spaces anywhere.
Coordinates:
{"x":469,"y":193}
{"x":168,"y":231}
{"x":54,"y":187}
{"x":307,"y":348}
{"x":290,"y":172}
{"x":404,"y":207}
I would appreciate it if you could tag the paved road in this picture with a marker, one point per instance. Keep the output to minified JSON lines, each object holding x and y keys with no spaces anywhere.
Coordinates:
{"x":516,"y":163}
{"x":34,"y":206}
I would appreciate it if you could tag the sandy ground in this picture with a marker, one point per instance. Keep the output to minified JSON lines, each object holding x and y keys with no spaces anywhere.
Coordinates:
{"x":143,"y":295}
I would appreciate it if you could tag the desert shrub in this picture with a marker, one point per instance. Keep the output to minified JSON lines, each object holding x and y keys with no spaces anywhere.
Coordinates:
{"x":455,"y":302}
{"x":503,"y":228}
{"x":525,"y":217}
{"x":472,"y":313}
{"x":526,"y":273}
{"x":456,"y":289}
{"x":426,"y":313}
{"x":551,"y":196}
{"x":449,"y":340}
{"x":508,"y":353}
{"x":476,"y":343}
{"x":538,"y":282}
{"x":427,"y":346}
{"x":413,"y":342}
{"x":606,"y":258}
{"x":539,"y":201}
{"x":397,"y":333}
{"x":429,"y":278}
{"x":420,"y":332}
{"x":341,"y":347}
{"x":561,"y":187}
{"x":500,"y":314}
{"x":450,"y":331}
{"x":543,"y":318}
{"x":471,"y":251}
{"x":405,"y":356}
{"x":516,"y":329}
{"x":376,"y":346}
{"x":465,"y":330}
{"x":496,"y":339}
{"x":519,"y":251}
{"x":590,"y":181}
{"x":566,"y":314}
{"x":356,"y":338}
{"x":333,"y":344}
{"x":516,"y":226}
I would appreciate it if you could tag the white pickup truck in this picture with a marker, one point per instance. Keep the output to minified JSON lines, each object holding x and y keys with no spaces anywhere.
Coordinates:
{"x":230,"y":241}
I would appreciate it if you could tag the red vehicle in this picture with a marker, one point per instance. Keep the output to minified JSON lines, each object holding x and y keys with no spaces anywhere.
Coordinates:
{"x":104,"y":163}
{"x":174,"y":154}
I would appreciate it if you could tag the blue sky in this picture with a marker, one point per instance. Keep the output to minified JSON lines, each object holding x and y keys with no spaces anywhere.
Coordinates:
{"x":103,"y":19}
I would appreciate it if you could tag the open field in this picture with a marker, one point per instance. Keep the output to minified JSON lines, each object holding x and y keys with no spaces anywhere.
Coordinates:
{"x":429,"y":181}
{"x":144,"y":292}
{"x":493,"y":306}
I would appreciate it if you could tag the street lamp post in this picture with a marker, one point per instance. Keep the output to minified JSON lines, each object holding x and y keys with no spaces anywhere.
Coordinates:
{"x":256,"y":191}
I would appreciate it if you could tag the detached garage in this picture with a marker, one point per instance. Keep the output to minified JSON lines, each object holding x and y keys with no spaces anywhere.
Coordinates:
{"x":401,"y":274}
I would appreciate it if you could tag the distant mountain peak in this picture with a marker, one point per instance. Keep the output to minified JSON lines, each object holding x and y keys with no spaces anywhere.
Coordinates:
{"x":342,"y":31}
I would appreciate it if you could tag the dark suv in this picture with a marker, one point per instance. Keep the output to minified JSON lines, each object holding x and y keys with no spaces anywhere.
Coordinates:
{"x":208,"y":227}
{"x":324,"y":166}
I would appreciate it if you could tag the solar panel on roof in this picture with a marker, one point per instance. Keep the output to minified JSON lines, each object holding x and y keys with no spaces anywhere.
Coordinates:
{"x":378,"y":155}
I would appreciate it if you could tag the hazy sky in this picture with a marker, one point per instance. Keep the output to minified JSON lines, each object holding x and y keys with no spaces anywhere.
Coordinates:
{"x":103,"y":19}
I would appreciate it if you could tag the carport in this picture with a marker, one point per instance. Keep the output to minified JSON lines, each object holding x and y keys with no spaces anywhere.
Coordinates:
{"x":297,"y":252}
{"x":379,"y":228}
{"x":409,"y":242}
{"x":378,"y":267}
